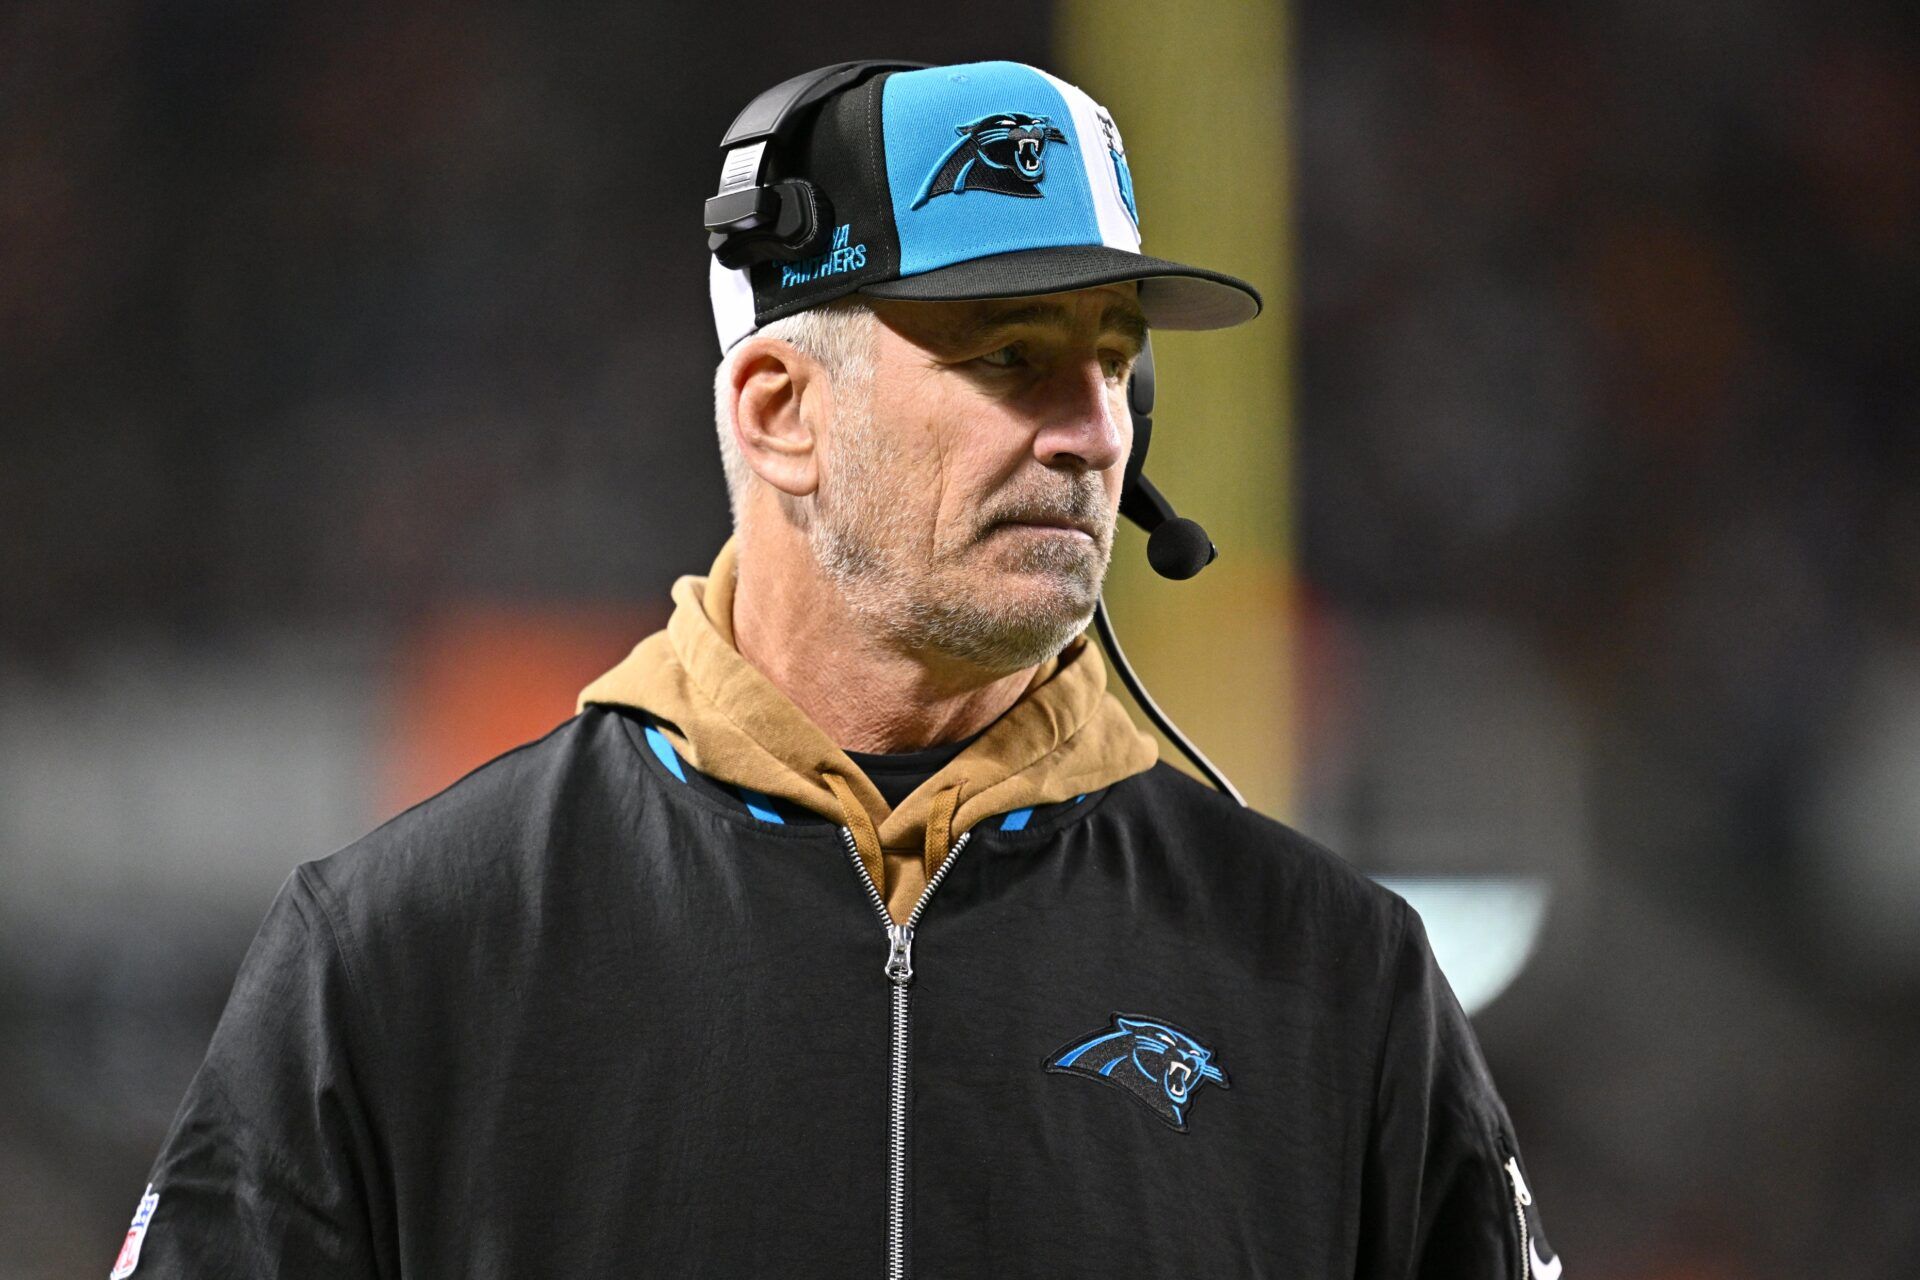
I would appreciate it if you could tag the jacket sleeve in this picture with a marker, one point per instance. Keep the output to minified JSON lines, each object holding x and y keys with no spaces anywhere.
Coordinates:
{"x":1445,"y":1194}
{"x":269,"y":1167}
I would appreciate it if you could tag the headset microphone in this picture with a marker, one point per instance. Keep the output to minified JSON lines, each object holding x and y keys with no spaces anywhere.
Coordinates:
{"x":1179,"y":548}
{"x":1176,"y":548}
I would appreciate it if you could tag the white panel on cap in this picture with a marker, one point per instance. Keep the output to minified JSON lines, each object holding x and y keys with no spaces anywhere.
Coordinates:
{"x":732,"y":293}
{"x":1116,"y":227}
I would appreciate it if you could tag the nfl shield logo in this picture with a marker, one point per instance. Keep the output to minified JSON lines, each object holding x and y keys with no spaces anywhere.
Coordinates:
{"x":130,"y":1251}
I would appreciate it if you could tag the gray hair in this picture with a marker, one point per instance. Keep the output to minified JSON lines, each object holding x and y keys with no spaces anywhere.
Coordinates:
{"x":839,"y":334}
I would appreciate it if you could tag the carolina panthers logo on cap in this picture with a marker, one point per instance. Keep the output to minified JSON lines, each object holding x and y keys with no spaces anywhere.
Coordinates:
{"x":1004,"y":153}
{"x":1154,"y":1061}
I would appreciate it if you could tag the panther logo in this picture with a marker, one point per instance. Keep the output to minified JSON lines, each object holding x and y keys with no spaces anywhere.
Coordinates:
{"x":1155,"y":1062}
{"x":1004,"y":152}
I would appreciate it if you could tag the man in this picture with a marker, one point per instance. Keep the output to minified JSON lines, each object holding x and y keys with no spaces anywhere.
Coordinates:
{"x":852,"y":924}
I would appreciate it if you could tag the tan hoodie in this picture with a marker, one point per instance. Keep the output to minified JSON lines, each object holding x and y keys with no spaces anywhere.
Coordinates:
{"x":1065,"y":735}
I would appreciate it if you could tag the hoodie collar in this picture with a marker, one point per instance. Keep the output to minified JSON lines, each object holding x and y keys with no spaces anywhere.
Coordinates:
{"x":1064,"y":736}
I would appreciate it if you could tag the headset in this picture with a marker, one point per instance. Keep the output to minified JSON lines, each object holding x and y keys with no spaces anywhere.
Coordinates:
{"x":749,"y":221}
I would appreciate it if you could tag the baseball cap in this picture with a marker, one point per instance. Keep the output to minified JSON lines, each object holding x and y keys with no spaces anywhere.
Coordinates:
{"x":978,"y":180}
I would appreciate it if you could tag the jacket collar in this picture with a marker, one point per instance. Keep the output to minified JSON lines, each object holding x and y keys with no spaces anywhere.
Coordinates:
{"x":1064,"y":736}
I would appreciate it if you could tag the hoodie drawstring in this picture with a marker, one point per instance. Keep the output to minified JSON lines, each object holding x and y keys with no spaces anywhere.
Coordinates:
{"x":940,"y":828}
{"x":866,"y":840}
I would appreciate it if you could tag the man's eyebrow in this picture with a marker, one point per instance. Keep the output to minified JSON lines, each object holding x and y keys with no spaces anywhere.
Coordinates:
{"x":1118,"y":318}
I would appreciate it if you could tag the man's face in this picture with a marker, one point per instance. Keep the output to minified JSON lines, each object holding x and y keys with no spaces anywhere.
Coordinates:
{"x":968,"y":496}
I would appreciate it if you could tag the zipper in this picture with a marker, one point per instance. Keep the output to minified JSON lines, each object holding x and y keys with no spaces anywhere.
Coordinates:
{"x":1522,"y":1197}
{"x":899,"y":972}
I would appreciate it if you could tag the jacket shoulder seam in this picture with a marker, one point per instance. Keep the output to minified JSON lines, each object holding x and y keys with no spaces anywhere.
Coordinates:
{"x":338,"y":943}
{"x":1384,"y":1009}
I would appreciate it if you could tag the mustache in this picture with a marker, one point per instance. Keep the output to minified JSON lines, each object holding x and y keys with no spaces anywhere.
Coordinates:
{"x":1083,"y":504}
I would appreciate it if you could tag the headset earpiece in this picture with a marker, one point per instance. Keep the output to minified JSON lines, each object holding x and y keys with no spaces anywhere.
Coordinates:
{"x":780,"y":221}
{"x":750,"y":221}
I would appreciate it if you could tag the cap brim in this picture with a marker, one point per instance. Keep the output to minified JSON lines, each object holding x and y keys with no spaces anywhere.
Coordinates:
{"x":1173,"y":295}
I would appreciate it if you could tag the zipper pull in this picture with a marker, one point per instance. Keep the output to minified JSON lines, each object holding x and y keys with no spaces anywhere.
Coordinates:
{"x":899,"y":953}
{"x":1520,"y":1189}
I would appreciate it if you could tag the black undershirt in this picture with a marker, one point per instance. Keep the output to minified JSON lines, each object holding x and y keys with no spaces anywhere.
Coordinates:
{"x":897,"y":774}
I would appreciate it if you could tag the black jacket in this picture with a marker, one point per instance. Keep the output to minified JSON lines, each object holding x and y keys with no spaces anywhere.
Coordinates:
{"x":587,"y":1012}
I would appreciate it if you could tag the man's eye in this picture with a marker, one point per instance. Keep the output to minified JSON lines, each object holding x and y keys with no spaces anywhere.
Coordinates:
{"x":1117,"y":366}
{"x":1007,"y":357}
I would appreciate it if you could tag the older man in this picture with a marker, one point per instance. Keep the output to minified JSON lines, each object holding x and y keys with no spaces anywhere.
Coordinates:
{"x":851,"y":924}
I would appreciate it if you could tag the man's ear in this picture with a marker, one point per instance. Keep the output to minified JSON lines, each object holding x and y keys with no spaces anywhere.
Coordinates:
{"x":777,"y":405}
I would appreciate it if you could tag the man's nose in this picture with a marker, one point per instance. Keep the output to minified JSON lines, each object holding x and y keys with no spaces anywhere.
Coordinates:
{"x":1086,"y":421}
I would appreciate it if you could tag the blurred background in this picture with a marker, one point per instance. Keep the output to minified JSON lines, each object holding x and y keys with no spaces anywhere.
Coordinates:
{"x":355,"y":398}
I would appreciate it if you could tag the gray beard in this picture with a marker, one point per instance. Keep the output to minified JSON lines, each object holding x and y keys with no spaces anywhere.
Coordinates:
{"x":853,"y":525}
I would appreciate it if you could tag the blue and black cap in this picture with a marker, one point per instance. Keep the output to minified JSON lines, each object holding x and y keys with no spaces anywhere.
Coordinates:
{"x":980,"y":180}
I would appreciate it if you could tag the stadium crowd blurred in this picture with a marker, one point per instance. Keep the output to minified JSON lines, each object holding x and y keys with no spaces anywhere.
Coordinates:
{"x":316,"y":323}
{"x":1607,"y":325}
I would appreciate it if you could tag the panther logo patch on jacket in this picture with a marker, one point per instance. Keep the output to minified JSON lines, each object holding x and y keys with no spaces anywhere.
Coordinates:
{"x":1154,"y":1061}
{"x":1004,"y":152}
